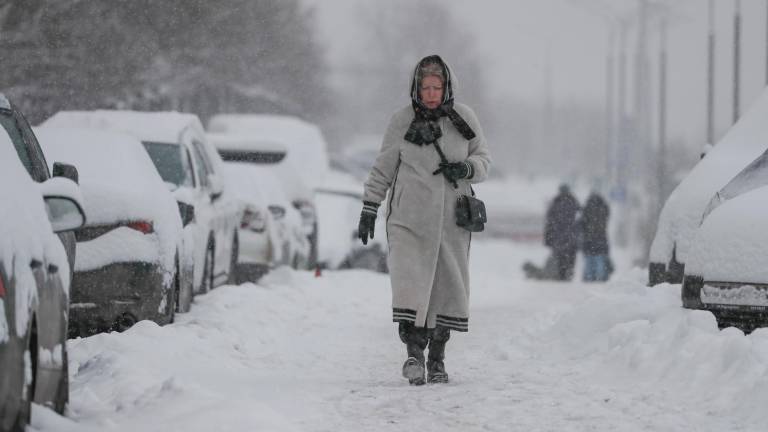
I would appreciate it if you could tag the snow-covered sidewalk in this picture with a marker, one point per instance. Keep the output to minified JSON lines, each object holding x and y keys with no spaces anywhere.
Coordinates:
{"x":299,"y":353}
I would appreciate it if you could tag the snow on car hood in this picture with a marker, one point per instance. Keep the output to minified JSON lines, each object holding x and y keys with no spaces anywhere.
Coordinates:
{"x":119,"y":183}
{"x":730,"y":244}
{"x":25,"y":234}
{"x":682,"y":212}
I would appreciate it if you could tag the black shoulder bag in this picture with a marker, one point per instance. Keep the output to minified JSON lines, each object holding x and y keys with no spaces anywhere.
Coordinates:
{"x":470,"y":211}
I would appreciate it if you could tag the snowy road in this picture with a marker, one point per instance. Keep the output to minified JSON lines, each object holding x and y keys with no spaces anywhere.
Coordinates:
{"x":299,"y":353}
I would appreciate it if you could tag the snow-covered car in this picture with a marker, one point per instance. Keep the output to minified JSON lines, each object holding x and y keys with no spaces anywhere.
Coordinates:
{"x":339,"y":203}
{"x":257,"y":233}
{"x":727,"y":272}
{"x":34,"y":278}
{"x":127,"y":265}
{"x":301,"y":169}
{"x":288,"y":242}
{"x":191,"y":168}
{"x":681,"y":214}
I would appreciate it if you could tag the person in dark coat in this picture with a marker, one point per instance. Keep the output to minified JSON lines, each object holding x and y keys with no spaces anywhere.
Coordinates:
{"x":594,"y":238}
{"x":560,"y":232}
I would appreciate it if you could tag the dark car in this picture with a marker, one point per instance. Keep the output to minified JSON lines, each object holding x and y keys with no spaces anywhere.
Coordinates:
{"x":34,"y":273}
{"x":128,"y":264}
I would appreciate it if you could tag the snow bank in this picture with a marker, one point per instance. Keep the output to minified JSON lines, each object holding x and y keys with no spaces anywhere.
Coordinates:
{"x":628,"y":334}
{"x":303,"y":353}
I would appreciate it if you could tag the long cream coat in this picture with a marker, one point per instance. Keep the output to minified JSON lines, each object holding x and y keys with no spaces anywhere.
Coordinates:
{"x":428,"y":252}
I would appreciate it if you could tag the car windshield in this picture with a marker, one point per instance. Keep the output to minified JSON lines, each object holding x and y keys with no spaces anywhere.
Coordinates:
{"x":170,"y":163}
{"x":753,"y":176}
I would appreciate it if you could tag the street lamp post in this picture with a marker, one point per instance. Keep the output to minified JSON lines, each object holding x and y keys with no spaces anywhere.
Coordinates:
{"x":736,"y":59}
{"x":711,"y":75}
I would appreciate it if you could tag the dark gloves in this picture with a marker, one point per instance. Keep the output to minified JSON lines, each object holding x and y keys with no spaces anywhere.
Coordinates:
{"x":453,"y":171}
{"x":367,"y":221}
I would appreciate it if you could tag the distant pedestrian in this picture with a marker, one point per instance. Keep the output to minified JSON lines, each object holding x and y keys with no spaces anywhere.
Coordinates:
{"x":560,"y":232}
{"x":594,"y":239}
{"x":428,"y":253}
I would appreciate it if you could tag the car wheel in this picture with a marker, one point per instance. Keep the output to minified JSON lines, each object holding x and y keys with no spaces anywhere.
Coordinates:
{"x":62,"y":394}
{"x":28,"y":395}
{"x":208,"y":269}
{"x":313,"y":249}
{"x":124,"y":322}
{"x":174,"y":297}
{"x":657,"y":273}
{"x":232,"y":278}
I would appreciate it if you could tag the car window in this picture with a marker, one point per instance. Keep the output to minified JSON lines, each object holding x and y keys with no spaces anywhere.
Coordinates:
{"x":9,"y":124}
{"x":201,"y":167}
{"x":37,"y":158}
{"x":189,"y":166}
{"x":206,"y":159}
{"x":171,"y":162}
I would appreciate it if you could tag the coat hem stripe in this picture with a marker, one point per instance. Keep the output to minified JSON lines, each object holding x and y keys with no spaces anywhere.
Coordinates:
{"x":454,"y":319}
{"x":453,"y":326}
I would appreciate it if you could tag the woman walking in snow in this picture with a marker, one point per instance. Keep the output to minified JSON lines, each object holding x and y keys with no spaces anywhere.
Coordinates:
{"x":428,"y":252}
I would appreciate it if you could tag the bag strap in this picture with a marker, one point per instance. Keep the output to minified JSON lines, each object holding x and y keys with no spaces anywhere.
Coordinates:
{"x":443,"y":159}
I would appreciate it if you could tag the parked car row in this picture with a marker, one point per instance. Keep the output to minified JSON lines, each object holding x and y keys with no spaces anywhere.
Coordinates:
{"x":712,"y":232}
{"x":112,"y":217}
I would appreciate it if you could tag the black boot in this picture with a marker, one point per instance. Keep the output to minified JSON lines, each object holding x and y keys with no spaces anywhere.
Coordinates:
{"x":435,"y":366}
{"x":415,"y":339}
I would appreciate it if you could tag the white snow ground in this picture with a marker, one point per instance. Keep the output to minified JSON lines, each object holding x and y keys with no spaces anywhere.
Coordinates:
{"x":299,"y":353}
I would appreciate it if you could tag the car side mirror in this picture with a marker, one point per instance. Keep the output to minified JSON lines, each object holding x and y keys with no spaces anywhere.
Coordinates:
{"x":68,"y":171}
{"x":217,"y":187}
{"x":63,"y":204}
{"x":187,"y":213}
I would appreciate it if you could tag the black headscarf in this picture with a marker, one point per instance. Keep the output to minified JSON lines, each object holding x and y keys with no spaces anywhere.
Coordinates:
{"x":424,"y":128}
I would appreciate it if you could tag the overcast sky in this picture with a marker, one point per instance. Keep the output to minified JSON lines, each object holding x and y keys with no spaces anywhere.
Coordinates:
{"x":521,"y":39}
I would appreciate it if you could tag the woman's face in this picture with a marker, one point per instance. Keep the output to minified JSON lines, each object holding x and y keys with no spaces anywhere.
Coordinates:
{"x":431,"y":91}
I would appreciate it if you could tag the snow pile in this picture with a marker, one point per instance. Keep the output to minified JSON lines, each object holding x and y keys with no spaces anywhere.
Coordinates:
{"x":317,"y":354}
{"x":730,"y":244}
{"x":631,"y":335}
{"x":119,"y":184}
{"x":682,"y":212}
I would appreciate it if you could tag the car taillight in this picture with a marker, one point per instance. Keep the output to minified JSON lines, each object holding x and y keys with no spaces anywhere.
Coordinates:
{"x":142,"y":226}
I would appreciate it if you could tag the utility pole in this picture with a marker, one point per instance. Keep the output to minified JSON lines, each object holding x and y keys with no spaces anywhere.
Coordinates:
{"x":662,"y":169}
{"x":711,"y":75}
{"x":736,"y":59}
{"x":609,"y":108}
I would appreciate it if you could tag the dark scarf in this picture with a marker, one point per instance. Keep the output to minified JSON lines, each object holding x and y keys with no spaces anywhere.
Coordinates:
{"x":425,"y":127}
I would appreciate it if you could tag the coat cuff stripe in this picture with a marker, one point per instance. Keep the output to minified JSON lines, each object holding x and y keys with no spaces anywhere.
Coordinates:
{"x":402,"y":310}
